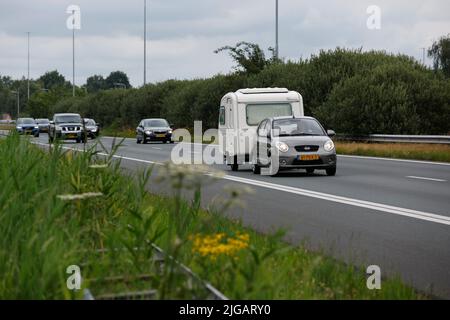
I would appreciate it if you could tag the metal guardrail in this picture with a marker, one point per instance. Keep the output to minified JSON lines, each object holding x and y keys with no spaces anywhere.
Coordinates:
{"x":397,"y":138}
{"x":161,"y":257}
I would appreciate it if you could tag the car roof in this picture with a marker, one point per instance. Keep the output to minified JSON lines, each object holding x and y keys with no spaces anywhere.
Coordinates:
{"x":154,"y":119}
{"x":67,"y":114}
{"x":289,"y":117}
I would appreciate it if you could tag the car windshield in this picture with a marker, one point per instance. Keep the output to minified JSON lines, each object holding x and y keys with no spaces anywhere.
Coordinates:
{"x":297,"y":127}
{"x":44,"y":121}
{"x":156,"y":123}
{"x":26,"y":121}
{"x":89,"y":122}
{"x":68,"y":119}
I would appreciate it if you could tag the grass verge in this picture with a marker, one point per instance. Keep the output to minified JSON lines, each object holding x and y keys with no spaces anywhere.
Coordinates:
{"x":413,"y":151}
{"x":60,"y":208}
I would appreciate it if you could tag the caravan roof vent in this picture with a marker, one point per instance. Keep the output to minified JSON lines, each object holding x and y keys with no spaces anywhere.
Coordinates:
{"x":263,"y":90}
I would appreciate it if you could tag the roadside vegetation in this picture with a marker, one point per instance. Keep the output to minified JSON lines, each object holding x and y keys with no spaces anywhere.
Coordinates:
{"x":414,"y":151}
{"x":354,"y":92}
{"x":60,"y":208}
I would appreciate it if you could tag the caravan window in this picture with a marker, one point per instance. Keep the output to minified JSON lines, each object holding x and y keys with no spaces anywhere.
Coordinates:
{"x":257,"y":112}
{"x":222,"y":116}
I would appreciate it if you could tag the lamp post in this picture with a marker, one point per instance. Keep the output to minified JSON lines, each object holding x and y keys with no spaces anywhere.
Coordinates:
{"x":28,"y":67}
{"x":276,"y":29}
{"x":18,"y":101}
{"x":145,"y":42}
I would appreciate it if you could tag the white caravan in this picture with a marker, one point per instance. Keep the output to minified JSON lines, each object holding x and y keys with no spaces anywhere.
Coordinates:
{"x":241,"y":112}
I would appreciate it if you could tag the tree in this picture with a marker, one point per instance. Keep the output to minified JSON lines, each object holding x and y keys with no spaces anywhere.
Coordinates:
{"x":95,"y":83}
{"x":52,"y":79}
{"x":440,"y":53}
{"x":117,"y":79}
{"x":249,"y":57}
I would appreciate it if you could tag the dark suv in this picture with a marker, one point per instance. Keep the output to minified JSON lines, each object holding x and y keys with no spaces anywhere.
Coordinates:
{"x":67,"y":126}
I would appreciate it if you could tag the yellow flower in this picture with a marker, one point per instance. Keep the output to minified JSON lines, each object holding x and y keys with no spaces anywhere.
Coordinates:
{"x":219,"y":244}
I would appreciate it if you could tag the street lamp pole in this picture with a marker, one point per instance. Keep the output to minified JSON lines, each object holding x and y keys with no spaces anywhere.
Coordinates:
{"x":73,"y":53}
{"x":276,"y":29}
{"x":145,"y":42}
{"x":18,"y":102}
{"x":28,"y":68}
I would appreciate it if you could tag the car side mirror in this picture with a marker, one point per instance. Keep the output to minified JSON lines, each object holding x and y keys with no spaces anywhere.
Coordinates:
{"x":331,"y":133}
{"x":98,"y":124}
{"x":171,"y":125}
{"x":52,"y":122}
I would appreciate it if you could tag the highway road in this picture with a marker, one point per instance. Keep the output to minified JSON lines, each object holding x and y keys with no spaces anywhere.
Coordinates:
{"x":385,"y":212}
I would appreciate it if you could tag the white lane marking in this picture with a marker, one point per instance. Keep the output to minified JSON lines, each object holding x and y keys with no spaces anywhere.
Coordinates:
{"x":392,"y":159}
{"x":156,"y":148}
{"x":425,"y":178}
{"x":420,"y":215}
{"x":349,"y":201}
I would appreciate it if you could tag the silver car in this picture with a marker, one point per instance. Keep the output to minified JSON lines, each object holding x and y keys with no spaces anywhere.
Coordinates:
{"x":285,"y":143}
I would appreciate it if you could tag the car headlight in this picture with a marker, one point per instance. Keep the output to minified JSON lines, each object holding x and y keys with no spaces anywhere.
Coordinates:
{"x":93,"y":130}
{"x":283,"y":147}
{"x":148,"y":132}
{"x":170,"y":131}
{"x":19,"y":128}
{"x":36,"y":127}
{"x":329,"y":145}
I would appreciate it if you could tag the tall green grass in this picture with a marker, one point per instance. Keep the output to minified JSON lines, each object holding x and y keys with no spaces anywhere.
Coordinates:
{"x":110,"y":235}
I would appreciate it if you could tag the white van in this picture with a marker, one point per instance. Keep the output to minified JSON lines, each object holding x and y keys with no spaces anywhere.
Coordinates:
{"x":241,"y":112}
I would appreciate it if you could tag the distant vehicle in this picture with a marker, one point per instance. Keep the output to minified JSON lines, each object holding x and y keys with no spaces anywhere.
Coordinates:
{"x":299,"y":143}
{"x":27,"y":126}
{"x":92,"y":128}
{"x":67,"y":126}
{"x":43,"y":124}
{"x":242,"y":111}
{"x":154,"y":130}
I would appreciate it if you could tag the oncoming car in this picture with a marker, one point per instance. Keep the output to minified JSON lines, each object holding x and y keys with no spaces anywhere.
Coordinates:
{"x":67,"y":126}
{"x":27,"y":126}
{"x":92,"y":128}
{"x":43,"y":124}
{"x":298,"y":143}
{"x":154,"y":130}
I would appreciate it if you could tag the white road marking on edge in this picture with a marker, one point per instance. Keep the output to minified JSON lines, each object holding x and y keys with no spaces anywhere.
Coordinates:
{"x":431,"y":217}
{"x":425,"y":178}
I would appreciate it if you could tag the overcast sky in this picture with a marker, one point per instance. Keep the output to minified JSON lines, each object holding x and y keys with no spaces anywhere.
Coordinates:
{"x":182,"y":34}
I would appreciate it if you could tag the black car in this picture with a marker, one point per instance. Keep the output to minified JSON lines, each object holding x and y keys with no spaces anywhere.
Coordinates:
{"x":92,"y":128}
{"x":154,"y":130}
{"x":43,"y":124}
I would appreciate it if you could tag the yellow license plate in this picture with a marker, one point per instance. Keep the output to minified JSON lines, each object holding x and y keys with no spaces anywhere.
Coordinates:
{"x":309,"y":157}
{"x":161,"y":135}
{"x":72,"y":135}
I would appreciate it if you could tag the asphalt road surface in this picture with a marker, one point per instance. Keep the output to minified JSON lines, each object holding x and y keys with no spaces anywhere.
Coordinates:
{"x":385,"y":212}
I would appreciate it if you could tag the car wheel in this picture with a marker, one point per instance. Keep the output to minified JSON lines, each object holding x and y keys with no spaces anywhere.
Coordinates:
{"x":256,"y":169}
{"x":165,"y":141}
{"x":36,"y":135}
{"x":138,"y":141}
{"x":144,"y":141}
{"x":310,"y":171}
{"x":171,"y":141}
{"x":331,"y":171}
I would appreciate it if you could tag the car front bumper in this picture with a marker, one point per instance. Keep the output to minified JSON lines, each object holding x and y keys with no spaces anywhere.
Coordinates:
{"x":325,"y":161}
{"x":69,"y":135}
{"x":32,"y":131}
{"x":158,"y":137}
